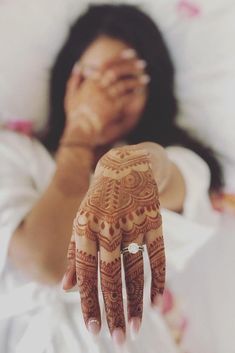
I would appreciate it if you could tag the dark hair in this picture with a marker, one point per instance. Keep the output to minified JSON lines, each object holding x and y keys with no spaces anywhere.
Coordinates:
{"x":128,"y":23}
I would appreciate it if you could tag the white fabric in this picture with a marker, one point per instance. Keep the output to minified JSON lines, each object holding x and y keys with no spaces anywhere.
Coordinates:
{"x":57,"y":315}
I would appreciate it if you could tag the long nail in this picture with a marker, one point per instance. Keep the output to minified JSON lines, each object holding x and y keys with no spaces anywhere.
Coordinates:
{"x":157,"y":301}
{"x":65,"y":277}
{"x":135,"y":323}
{"x":118,"y":336}
{"x":128,"y":53}
{"x":145,"y":79}
{"x":76,"y":69}
{"x":140,"y":64}
{"x":63,"y":281}
{"x":93,"y":326}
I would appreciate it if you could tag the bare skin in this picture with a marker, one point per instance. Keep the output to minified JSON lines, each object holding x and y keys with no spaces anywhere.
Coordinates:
{"x":40,"y":243}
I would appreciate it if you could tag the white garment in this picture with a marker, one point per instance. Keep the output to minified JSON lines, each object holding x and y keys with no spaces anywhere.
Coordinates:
{"x":46,"y":320}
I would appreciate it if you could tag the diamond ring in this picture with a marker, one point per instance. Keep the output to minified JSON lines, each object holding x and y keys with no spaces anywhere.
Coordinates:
{"x":132,"y":248}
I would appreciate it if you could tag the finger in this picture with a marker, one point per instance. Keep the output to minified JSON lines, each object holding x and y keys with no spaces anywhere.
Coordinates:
{"x":111,"y":286}
{"x":134,"y":278}
{"x":124,"y":55}
{"x":156,"y":252}
{"x":127,"y":86}
{"x":87,"y":278}
{"x":69,"y":279}
{"x":130,"y":68}
{"x":74,"y":80}
{"x":96,"y":72}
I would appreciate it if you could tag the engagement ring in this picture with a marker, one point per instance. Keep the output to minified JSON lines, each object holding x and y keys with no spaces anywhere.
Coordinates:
{"x":132,"y":248}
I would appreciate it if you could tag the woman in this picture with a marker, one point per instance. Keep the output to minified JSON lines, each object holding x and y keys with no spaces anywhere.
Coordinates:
{"x":112,"y":82}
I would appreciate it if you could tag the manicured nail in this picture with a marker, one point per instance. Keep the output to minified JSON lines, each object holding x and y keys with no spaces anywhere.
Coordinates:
{"x":144,"y":79}
{"x":93,"y":326}
{"x":63,"y":281}
{"x":118,"y":336}
{"x":141,"y":64}
{"x":128,"y":53}
{"x":135,"y":323}
{"x":157,"y":301}
{"x":65,"y":278}
{"x":76,"y":69}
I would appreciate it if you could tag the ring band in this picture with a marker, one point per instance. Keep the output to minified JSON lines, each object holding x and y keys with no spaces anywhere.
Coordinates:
{"x":132,"y":248}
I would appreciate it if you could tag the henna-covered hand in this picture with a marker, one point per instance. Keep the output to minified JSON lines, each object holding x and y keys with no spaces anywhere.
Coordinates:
{"x":121,"y":207}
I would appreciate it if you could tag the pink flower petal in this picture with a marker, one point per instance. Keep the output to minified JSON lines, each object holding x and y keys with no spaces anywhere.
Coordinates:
{"x":188,"y":8}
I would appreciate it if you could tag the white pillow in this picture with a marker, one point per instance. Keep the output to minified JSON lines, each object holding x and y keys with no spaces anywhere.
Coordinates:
{"x":31,"y":33}
{"x":200,"y":36}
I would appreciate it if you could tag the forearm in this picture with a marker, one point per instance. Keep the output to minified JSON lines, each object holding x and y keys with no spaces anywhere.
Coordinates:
{"x":169,"y":179}
{"x":39,"y":245}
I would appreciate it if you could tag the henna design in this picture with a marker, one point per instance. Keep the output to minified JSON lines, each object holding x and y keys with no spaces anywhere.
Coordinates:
{"x":71,"y":251}
{"x":86,"y":269}
{"x":157,"y":262}
{"x":123,"y":198}
{"x":111,"y":285}
{"x":70,"y":279}
{"x":134,"y":276}
{"x":121,"y":204}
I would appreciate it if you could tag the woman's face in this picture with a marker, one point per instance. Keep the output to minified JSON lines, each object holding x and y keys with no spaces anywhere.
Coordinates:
{"x":102,"y":50}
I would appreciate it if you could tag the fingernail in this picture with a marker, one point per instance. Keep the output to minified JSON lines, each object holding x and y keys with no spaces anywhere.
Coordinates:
{"x":157,"y":301}
{"x":135,"y":323}
{"x":141,"y":64}
{"x":63,"y":281}
{"x":145,"y":79}
{"x":128,"y":54}
{"x":93,"y":326}
{"x":118,"y":336}
{"x":76,"y":69}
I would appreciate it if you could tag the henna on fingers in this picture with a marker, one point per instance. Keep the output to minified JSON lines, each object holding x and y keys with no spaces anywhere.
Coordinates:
{"x":120,"y":207}
{"x":111,"y":286}
{"x":69,"y":279}
{"x":158,"y":267}
{"x":134,"y":277}
{"x":86,"y":270}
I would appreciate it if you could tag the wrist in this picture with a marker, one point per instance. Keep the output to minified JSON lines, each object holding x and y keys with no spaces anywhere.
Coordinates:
{"x":74,"y":166}
{"x":74,"y":135}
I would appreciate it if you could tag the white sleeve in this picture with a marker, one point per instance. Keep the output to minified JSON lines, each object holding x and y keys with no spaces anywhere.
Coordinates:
{"x":17,"y":188}
{"x":185,"y":233}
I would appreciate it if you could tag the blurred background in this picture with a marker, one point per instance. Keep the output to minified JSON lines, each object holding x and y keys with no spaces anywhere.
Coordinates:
{"x":200,"y":36}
